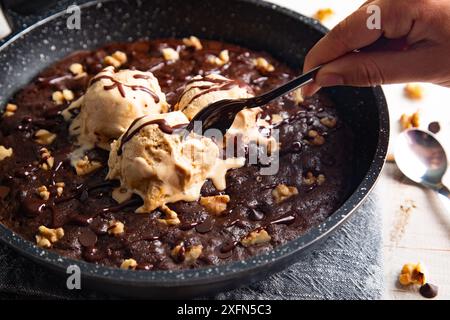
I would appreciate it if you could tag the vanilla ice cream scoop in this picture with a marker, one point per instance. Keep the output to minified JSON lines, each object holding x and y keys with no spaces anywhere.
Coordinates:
{"x":153,"y":161}
{"x":202,"y":91}
{"x":111,"y":103}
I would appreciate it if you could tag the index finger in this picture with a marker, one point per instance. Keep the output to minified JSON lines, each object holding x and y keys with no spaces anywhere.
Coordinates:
{"x":350,"y":34}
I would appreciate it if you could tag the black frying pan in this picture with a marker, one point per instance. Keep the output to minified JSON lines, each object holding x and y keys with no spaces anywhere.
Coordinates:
{"x":261,"y":26}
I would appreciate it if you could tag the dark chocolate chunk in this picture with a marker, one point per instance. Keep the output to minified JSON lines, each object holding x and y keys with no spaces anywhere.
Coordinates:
{"x":428,"y":290}
{"x":87,"y":238}
{"x":206,"y":226}
{"x":4,"y":191}
{"x":434,"y":127}
{"x":255,"y":215}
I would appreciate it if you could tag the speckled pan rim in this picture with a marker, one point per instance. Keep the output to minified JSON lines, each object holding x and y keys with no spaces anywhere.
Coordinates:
{"x":232,"y":270}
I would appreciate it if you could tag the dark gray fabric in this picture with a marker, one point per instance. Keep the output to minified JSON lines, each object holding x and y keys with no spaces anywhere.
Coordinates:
{"x":346,"y":266}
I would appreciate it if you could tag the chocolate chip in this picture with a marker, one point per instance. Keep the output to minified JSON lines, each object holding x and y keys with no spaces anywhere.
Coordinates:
{"x":84,"y":196}
{"x":205,"y":226}
{"x":428,"y":290}
{"x":87,"y":238}
{"x":434,"y":127}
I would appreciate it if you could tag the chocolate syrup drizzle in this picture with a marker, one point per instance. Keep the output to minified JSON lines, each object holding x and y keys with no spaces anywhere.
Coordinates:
{"x":120,"y":86}
{"x":162,"y":124}
{"x":216,"y":85}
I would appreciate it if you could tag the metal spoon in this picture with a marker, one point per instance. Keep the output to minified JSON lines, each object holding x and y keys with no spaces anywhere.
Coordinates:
{"x":220,"y":114}
{"x":421,"y":158}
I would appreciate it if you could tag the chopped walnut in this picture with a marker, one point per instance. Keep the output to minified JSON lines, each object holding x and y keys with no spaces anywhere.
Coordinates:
{"x":298,"y":96}
{"x":410,"y":121}
{"x":310,"y":179}
{"x":60,"y":188}
{"x":215,"y":204}
{"x":128,"y":264}
{"x":117,"y":59}
{"x":188,"y":255}
{"x":116,"y":227}
{"x":323,"y":14}
{"x":263,"y":65}
{"x":44,"y":137}
{"x":68,"y":95}
{"x":85,"y":166}
{"x":329,"y":122}
{"x":413,"y":91}
{"x":43,"y":192}
{"x":47,"y":161}
{"x":10,"y":110}
{"x":222,"y":59}
{"x":46,"y":236}
{"x":121,"y":194}
{"x":283,"y":192}
{"x":412,"y":274}
{"x":5,"y":153}
{"x":76,"y":69}
{"x":170,"y":218}
{"x":58,"y":97}
{"x":256,"y":237}
{"x":193,"y":42}
{"x":316,"y":138}
{"x":120,"y":56}
{"x":170,"y":54}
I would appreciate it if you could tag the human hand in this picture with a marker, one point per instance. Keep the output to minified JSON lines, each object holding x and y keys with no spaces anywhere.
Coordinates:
{"x":422,"y":25}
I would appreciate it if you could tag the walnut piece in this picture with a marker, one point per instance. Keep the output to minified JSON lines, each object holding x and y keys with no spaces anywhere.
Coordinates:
{"x":47,"y":161}
{"x":410,"y":121}
{"x":255,"y":237}
{"x":76,"y":68}
{"x":283,"y":192}
{"x":43,"y":192}
{"x":297,"y":94}
{"x":412,"y":274}
{"x":316,"y":138}
{"x":10,"y":110}
{"x":58,"y":97}
{"x":310,"y":179}
{"x":68,"y":95}
{"x":263,"y":65}
{"x":46,"y":236}
{"x":222,"y":59}
{"x":5,"y":153}
{"x":170,"y":216}
{"x":193,"y":42}
{"x":85,"y":166}
{"x":215,"y":204}
{"x":44,"y":137}
{"x":323,"y":14}
{"x":328,"y":122}
{"x":117,"y":59}
{"x":170,"y":54}
{"x":60,"y":188}
{"x":128,"y":264}
{"x":413,"y":91}
{"x":189,"y":255}
{"x":116,"y":227}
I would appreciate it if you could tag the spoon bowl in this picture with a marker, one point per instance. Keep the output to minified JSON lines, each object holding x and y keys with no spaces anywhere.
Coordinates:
{"x":421,"y":157}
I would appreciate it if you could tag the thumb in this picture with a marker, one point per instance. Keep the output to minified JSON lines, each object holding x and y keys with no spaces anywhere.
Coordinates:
{"x":363,"y":69}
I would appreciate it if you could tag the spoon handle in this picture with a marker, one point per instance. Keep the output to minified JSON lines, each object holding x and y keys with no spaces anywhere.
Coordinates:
{"x":285,"y":88}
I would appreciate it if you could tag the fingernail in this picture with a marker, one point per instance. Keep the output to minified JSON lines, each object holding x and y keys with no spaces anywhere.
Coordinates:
{"x":329,"y":80}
